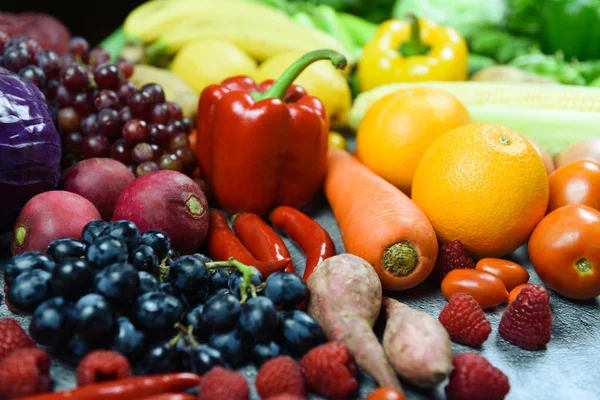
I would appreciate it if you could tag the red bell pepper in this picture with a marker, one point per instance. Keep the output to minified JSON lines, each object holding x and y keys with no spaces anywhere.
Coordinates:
{"x":263,"y":145}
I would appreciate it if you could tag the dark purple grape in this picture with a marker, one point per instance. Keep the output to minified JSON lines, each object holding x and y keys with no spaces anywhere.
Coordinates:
{"x":187,"y":157}
{"x":125,"y":114}
{"x":98,"y":56}
{"x":135,"y":131}
{"x":187,"y":124}
{"x":145,"y":167}
{"x":49,"y":62}
{"x":142,"y":152}
{"x":109,"y":123}
{"x":15,"y":58}
{"x":50,"y":89}
{"x":79,"y":47}
{"x":140,"y":104}
{"x":16,"y":41}
{"x":34,"y":74}
{"x":75,"y":77}
{"x":70,"y":160}
{"x":179,"y":140}
{"x":83,"y":103}
{"x":106,"y":98}
{"x":68,"y":120}
{"x":73,"y":142}
{"x":175,"y":112}
{"x":89,"y":125}
{"x":32,"y":47}
{"x":4,"y":38}
{"x":63,"y":96}
{"x":121,"y":151}
{"x":158,"y":134}
{"x":68,"y":59}
{"x":160,"y":113}
{"x":156,"y":150}
{"x":170,"y":161}
{"x":124,"y":89}
{"x":96,"y":146}
{"x":107,"y":76}
{"x":174,"y":127}
{"x":157,"y":95}
{"x":126,"y":67}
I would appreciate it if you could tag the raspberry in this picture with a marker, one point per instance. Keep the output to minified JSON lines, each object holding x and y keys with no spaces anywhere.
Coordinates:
{"x":286,"y":396}
{"x":452,"y":256}
{"x":527,"y":321}
{"x":220,"y":383}
{"x":24,"y":372}
{"x":474,"y":378}
{"x":465,"y":321}
{"x":12,"y":337}
{"x":280,"y":375}
{"x":330,"y":370}
{"x":102,"y":366}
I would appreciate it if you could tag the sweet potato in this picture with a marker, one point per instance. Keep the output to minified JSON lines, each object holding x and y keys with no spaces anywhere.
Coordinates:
{"x":416,"y":344}
{"x":345,"y":298}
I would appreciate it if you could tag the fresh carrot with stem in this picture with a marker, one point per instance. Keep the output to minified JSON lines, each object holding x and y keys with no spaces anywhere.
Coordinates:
{"x":258,"y":237}
{"x":379,"y":223}
{"x":311,"y":237}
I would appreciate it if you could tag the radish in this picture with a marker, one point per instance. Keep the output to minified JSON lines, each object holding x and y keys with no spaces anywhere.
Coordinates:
{"x":345,"y":298}
{"x":169,"y":201}
{"x":48,"y":216}
{"x":417,"y":345}
{"x":100,"y":180}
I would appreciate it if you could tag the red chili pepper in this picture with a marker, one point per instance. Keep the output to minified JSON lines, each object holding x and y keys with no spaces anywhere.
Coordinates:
{"x":311,"y":237}
{"x":258,"y":237}
{"x":261,"y":148}
{"x":223,"y":245}
{"x":171,"y":396}
{"x":126,"y":389}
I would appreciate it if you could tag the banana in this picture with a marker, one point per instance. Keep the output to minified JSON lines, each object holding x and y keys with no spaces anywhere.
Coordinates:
{"x":260,"y":38}
{"x":153,"y":19}
{"x":176,"y":89}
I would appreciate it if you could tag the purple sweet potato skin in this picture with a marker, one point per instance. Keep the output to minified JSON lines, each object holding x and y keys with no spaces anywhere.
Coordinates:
{"x":345,"y":298}
{"x":416,"y":344}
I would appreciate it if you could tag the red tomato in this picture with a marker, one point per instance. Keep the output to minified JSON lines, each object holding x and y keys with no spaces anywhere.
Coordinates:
{"x":575,"y":183}
{"x":512,"y":274}
{"x":515,"y":292}
{"x":386,"y":394}
{"x":486,"y":288}
{"x":565,"y":251}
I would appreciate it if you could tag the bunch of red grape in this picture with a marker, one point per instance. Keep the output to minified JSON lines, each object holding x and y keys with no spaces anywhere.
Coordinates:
{"x":99,"y":111}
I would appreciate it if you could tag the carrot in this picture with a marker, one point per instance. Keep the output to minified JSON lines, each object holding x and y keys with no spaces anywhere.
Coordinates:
{"x":379,"y":223}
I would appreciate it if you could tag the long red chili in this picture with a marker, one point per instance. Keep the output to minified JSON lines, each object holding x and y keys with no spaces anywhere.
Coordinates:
{"x":126,"y":389}
{"x":258,"y":237}
{"x":311,"y":237}
{"x":222,"y":244}
{"x":171,"y":396}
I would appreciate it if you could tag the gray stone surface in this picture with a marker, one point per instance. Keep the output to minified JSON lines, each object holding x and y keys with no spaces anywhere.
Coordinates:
{"x":567,"y":369}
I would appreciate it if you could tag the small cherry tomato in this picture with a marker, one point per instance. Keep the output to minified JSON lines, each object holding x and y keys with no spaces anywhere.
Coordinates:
{"x":385,"y":393}
{"x":486,"y":288}
{"x":575,"y":183}
{"x":564,"y":249}
{"x":515,"y":292}
{"x":337,"y":140}
{"x":512,"y":274}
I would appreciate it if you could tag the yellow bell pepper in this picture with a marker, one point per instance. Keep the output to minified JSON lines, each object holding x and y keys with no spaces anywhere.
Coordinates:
{"x":320,"y":79}
{"x":413,"y":51}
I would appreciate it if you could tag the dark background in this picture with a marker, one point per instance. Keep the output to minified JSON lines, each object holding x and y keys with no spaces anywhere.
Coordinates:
{"x":92,"y":19}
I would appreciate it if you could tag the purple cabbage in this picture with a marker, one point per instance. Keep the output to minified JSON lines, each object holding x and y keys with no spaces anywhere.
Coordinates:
{"x":30,"y":146}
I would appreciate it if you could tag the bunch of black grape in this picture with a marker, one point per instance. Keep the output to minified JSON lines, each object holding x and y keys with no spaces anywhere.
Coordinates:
{"x":128,"y":291}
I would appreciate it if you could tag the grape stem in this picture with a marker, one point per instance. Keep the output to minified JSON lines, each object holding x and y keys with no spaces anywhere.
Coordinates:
{"x":247,"y":274}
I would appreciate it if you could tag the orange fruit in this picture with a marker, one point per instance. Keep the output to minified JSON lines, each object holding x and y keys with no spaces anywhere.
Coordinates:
{"x":397,"y":130}
{"x":484,"y":185}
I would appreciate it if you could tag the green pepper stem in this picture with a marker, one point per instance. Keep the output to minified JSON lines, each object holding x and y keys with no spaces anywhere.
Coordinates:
{"x":247,"y":274}
{"x":414,"y":46}
{"x":286,"y":79}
